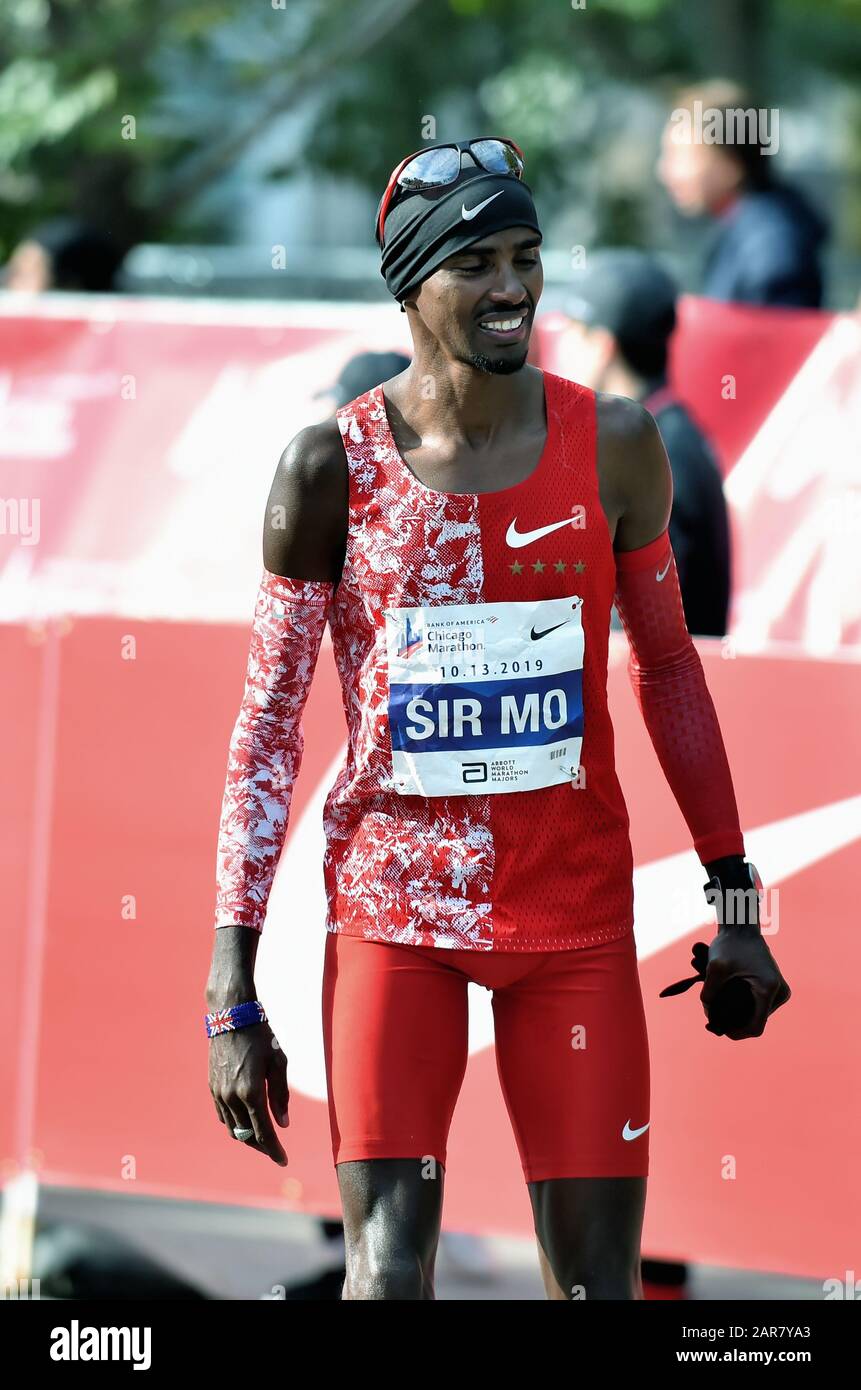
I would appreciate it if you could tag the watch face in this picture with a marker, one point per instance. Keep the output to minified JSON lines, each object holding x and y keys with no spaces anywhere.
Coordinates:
{"x":754,"y":877}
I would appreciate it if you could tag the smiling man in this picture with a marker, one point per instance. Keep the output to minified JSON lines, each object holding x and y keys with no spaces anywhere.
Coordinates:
{"x":464,"y":529}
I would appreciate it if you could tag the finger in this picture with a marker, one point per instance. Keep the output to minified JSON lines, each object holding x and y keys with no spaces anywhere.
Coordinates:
{"x":240,"y":1119}
{"x":717,"y":975}
{"x":279,"y":1091}
{"x":220,"y":1111}
{"x":267,"y":1140}
{"x":754,"y":1027}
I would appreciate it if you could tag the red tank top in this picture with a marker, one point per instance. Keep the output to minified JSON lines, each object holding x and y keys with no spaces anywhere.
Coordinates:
{"x":478,"y":806}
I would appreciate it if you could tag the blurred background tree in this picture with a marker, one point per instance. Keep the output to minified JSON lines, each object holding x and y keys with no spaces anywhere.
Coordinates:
{"x":131,"y":114}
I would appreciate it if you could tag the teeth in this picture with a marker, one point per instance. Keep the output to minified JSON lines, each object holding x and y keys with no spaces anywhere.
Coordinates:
{"x":504,"y":325}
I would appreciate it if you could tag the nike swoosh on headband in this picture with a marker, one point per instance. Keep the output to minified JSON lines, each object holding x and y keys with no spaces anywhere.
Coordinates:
{"x":516,"y":538}
{"x":662,"y":574}
{"x":469,"y":213}
{"x":628,"y":1133}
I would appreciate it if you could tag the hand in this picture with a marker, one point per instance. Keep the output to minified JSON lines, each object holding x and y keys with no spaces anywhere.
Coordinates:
{"x":242,"y":1065}
{"x":741,"y":953}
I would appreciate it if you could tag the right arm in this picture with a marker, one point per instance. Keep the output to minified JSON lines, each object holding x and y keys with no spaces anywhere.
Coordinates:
{"x":304,"y":536}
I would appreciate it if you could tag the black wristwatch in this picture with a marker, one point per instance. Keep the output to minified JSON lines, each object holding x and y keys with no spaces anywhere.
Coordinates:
{"x":729,"y":896}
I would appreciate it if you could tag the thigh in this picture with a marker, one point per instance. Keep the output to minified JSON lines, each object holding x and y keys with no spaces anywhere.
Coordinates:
{"x":395,"y":1034}
{"x":573,"y":1060}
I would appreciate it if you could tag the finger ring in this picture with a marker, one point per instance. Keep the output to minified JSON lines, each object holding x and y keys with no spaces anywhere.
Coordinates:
{"x":244,"y":1134}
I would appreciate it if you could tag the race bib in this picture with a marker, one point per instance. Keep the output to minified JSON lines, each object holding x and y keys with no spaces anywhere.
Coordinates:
{"x":485,"y":697}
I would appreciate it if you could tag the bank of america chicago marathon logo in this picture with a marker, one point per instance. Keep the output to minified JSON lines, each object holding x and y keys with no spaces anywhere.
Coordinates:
{"x":410,"y":637}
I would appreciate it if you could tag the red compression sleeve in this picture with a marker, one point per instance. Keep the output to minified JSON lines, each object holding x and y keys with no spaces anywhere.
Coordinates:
{"x":670,"y":686}
{"x":267,"y":743}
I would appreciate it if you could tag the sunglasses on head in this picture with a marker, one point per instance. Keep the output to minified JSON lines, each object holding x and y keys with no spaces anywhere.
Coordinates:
{"x":441,"y":165}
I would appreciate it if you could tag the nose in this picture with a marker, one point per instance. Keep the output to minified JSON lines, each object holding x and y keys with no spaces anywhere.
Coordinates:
{"x":508,"y":289}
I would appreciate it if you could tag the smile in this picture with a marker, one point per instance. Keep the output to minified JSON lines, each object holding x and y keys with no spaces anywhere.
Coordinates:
{"x":504,"y":329}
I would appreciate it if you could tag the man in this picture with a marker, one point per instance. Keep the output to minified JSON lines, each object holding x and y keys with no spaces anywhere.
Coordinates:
{"x":463,"y":528}
{"x":769,"y":240}
{"x":64,"y":254}
{"x":362,"y":371}
{"x":622,"y":309}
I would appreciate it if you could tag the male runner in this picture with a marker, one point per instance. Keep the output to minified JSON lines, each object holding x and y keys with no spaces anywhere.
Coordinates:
{"x":464,"y":529}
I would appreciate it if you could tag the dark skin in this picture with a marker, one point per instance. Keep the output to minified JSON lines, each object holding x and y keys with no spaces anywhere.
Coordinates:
{"x":467,"y":416}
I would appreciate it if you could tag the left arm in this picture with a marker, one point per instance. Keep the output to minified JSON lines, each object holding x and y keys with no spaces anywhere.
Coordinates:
{"x":665,"y":667}
{"x":671,"y":690}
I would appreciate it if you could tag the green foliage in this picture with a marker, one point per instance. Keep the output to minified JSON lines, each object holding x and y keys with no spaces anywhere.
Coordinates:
{"x":203,"y":80}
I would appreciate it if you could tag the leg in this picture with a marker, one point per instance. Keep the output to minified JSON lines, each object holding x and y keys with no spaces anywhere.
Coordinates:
{"x":392,"y":1214}
{"x":589,"y":1232}
{"x":395,"y":1030}
{"x":573,"y":1060}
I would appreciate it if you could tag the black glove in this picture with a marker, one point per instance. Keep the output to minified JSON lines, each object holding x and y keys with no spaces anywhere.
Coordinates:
{"x":733,"y":1006}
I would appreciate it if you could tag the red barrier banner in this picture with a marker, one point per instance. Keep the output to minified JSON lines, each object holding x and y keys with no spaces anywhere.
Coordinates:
{"x":124,"y":640}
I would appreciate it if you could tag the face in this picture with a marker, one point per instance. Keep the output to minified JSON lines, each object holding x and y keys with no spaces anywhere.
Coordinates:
{"x":585,"y":353}
{"x":494,"y":282}
{"x":698,"y":177}
{"x":28,"y":268}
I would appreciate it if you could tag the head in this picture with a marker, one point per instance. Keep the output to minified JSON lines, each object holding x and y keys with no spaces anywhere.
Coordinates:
{"x":64,"y":254}
{"x":462,"y":257}
{"x":362,"y":371}
{"x":621,"y":314}
{"x":705,"y":175}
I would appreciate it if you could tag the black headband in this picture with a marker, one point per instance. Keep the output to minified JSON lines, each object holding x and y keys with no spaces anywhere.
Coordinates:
{"x":424,"y":228}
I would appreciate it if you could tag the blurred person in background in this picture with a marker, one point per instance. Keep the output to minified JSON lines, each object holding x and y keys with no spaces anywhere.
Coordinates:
{"x":622,"y":312}
{"x":768,"y":245}
{"x":360,"y":373}
{"x":64,"y":254}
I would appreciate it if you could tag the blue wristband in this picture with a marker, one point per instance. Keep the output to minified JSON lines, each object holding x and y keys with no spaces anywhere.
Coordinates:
{"x":239,"y":1016}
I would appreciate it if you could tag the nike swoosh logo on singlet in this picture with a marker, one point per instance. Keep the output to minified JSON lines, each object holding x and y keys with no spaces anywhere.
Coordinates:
{"x":516,"y":538}
{"x":662,"y":574}
{"x":628,"y":1133}
{"x":469,"y":213}
{"x":536,"y":635}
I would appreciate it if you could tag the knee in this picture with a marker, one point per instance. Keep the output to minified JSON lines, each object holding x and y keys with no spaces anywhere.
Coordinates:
{"x":604,"y":1277}
{"x":384,"y":1273}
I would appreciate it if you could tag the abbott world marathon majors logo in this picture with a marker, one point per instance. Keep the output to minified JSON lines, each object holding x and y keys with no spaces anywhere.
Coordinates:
{"x":485,"y":697}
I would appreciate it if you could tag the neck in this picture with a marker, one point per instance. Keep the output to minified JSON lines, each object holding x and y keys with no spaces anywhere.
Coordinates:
{"x":462,"y":404}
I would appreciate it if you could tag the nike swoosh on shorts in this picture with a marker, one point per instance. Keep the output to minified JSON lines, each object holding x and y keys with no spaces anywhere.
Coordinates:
{"x":469,"y":213}
{"x":516,"y":538}
{"x":662,"y":574}
{"x":628,"y":1133}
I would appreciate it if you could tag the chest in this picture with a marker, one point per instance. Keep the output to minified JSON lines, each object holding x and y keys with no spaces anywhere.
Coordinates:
{"x":497,"y":472}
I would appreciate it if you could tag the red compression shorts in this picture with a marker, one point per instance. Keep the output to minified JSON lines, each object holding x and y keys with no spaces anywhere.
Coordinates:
{"x":571,"y":1051}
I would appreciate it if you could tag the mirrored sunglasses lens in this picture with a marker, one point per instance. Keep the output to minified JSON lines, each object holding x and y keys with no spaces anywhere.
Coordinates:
{"x":432,"y":167}
{"x":498,"y":158}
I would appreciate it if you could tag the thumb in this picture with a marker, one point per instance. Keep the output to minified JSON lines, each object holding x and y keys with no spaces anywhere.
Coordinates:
{"x":717,"y":975}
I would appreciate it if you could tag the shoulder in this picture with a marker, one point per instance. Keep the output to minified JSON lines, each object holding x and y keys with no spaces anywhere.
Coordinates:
{"x":314,"y":460}
{"x":307,"y":509}
{"x":623,"y":422}
{"x":630,"y":449}
{"x":634,"y":469}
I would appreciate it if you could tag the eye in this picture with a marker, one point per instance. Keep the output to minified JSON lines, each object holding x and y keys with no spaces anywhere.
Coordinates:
{"x":525,"y":262}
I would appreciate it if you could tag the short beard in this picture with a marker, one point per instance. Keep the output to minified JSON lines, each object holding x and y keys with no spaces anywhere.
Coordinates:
{"x":496,"y":366}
